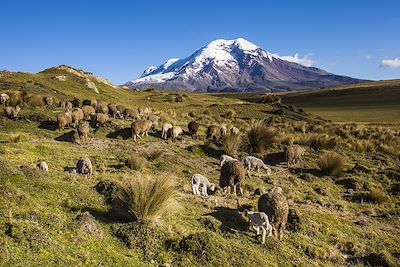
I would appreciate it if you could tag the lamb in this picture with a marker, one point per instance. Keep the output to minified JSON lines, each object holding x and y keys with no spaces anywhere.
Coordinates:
{"x":259,"y":221}
{"x":294,"y":154}
{"x":84,"y":166}
{"x":100,"y":119}
{"x":213,"y":132}
{"x":198,"y":181}
{"x":234,"y":130}
{"x":84,"y":130}
{"x":252,"y":162}
{"x":176,"y":132}
{"x":48,"y":100}
{"x":166,"y":127}
{"x":232,"y":175}
{"x":64,"y":119}
{"x":77,"y":115}
{"x":88,"y":111}
{"x":131,"y":113}
{"x":225,"y":158}
{"x":43,"y":166}
{"x":4,"y":98}
{"x":223,"y":131}
{"x":275,"y":205}
{"x":140,"y":127}
{"x":193,"y":128}
{"x":11,"y":112}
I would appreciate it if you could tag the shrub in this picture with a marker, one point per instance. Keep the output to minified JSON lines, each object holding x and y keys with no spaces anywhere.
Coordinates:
{"x":135,"y":162}
{"x":231,"y":144}
{"x":230,"y":114}
{"x":149,"y":198}
{"x":154,"y":154}
{"x":362,"y":146}
{"x":259,"y":137}
{"x":331,"y":163}
{"x":318,"y":142}
{"x":378,"y":196}
{"x":15,"y":138}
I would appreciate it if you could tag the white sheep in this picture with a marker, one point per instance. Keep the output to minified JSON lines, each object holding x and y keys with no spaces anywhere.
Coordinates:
{"x":225,"y":158}
{"x":4,"y":98}
{"x":223,"y":131}
{"x":253,"y":162}
{"x":165,"y":129}
{"x":259,"y":221}
{"x":234,"y":130}
{"x":43,"y":166}
{"x":176,"y":132}
{"x":198,"y":181}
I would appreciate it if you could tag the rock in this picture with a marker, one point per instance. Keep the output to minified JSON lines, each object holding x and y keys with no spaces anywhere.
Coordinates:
{"x":62,"y":78}
{"x":86,"y":222}
{"x":91,"y":85}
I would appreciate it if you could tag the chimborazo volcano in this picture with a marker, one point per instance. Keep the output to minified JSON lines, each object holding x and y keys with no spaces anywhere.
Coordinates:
{"x":235,"y":66}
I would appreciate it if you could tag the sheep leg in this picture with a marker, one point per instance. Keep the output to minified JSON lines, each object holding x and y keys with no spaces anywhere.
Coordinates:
{"x":205,"y":191}
{"x":233,"y":189}
{"x":258,"y":171}
{"x":194,"y":189}
{"x":264,"y":233}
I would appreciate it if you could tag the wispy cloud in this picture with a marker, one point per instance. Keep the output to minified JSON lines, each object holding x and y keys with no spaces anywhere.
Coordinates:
{"x":390,"y":63}
{"x":305,"y":60}
{"x":368,"y":57}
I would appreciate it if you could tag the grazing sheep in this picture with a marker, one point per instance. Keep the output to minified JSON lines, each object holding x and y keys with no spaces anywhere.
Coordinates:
{"x":62,"y":104}
{"x":176,"y":132}
{"x":76,"y":103}
{"x":140,"y":127}
{"x":155,"y":120}
{"x":69,"y":105}
{"x":259,"y":221}
{"x":84,"y":166}
{"x":43,"y":166}
{"x":198,"y":181}
{"x":225,"y":158}
{"x":121,"y":109}
{"x":11,"y":112}
{"x":144,"y":111}
{"x":232,"y":175}
{"x":213,"y":132}
{"x":4,"y":98}
{"x":48,"y":100}
{"x":64,"y":119}
{"x":131,"y":113}
{"x":90,"y":102}
{"x":102,"y":107}
{"x":294,"y":154}
{"x":88,"y":111}
{"x":84,"y":130}
{"x":252,"y":162}
{"x":112,"y":108}
{"x":193,"y":128}
{"x":223,"y":131}
{"x":166,"y":127}
{"x":100,"y":119}
{"x":275,"y":205}
{"x":234,"y":130}
{"x":77,"y":115}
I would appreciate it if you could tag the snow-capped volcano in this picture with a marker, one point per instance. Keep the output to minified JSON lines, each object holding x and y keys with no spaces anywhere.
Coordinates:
{"x":235,"y":65}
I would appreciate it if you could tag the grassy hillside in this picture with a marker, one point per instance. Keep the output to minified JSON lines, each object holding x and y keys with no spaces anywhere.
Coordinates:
{"x":351,"y":218}
{"x":375,"y":102}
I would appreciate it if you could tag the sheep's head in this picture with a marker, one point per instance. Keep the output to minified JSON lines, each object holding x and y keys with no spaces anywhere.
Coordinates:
{"x":212,"y":187}
{"x":269,"y":171}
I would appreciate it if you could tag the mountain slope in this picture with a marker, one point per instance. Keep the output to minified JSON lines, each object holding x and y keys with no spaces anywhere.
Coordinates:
{"x":235,"y":65}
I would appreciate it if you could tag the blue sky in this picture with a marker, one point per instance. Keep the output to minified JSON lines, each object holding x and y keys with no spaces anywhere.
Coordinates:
{"x":119,"y":39}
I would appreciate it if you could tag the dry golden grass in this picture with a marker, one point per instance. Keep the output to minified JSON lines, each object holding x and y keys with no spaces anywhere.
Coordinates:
{"x":135,"y":162}
{"x":231,"y":144}
{"x":331,"y":163}
{"x":259,"y":137}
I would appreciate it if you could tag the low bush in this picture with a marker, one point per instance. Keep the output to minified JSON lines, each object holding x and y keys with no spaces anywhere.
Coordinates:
{"x":331,"y":163}
{"x":376,"y":195}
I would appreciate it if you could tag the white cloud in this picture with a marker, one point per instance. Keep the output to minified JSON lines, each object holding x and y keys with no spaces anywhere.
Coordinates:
{"x":368,"y":57}
{"x":390,"y":63}
{"x":305,"y":60}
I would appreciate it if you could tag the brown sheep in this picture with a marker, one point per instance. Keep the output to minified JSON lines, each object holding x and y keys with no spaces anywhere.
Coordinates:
{"x":88,"y":111}
{"x":294,"y":154}
{"x":275,"y":205}
{"x":102,"y":107}
{"x":121,"y":108}
{"x":84,"y":130}
{"x":193,"y":128}
{"x":131,"y":113}
{"x":112,"y":108}
{"x":232,"y":175}
{"x":48,"y":100}
{"x":144,"y":111}
{"x":213,"y":132}
{"x":64,"y":119}
{"x":76,"y":103}
{"x":11,"y":112}
{"x":100,"y":119}
{"x":77,"y":115}
{"x":140,"y":127}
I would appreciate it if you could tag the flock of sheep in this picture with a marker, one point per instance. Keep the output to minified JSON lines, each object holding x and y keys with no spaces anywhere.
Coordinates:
{"x":273,"y":207}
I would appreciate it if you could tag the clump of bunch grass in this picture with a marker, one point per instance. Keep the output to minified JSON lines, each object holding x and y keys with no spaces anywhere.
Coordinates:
{"x":154,"y":154}
{"x":362,"y":146}
{"x":230,"y":114}
{"x":148,"y":198}
{"x":332,"y":163}
{"x":231,"y":144}
{"x":135,"y":162}
{"x":15,"y":138}
{"x":318,"y":142}
{"x":376,"y":195}
{"x":259,"y":137}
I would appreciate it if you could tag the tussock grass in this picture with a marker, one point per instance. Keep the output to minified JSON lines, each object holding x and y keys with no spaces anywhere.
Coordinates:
{"x":135,"y":162}
{"x":259,"y":137}
{"x":230,"y":114}
{"x":154,"y":154}
{"x":148,"y":198}
{"x":331,"y":163}
{"x":15,"y":138}
{"x":362,"y":146}
{"x":231,"y":144}
{"x":378,"y":196}
{"x":318,"y":142}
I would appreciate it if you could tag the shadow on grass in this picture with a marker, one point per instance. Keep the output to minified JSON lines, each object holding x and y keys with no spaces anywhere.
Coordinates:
{"x":231,"y":220}
{"x":100,"y":215}
{"x":300,"y":171}
{"x":274,"y":159}
{"x":124,"y":133}
{"x":211,"y":151}
{"x":48,"y":125}
{"x":66,"y":137}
